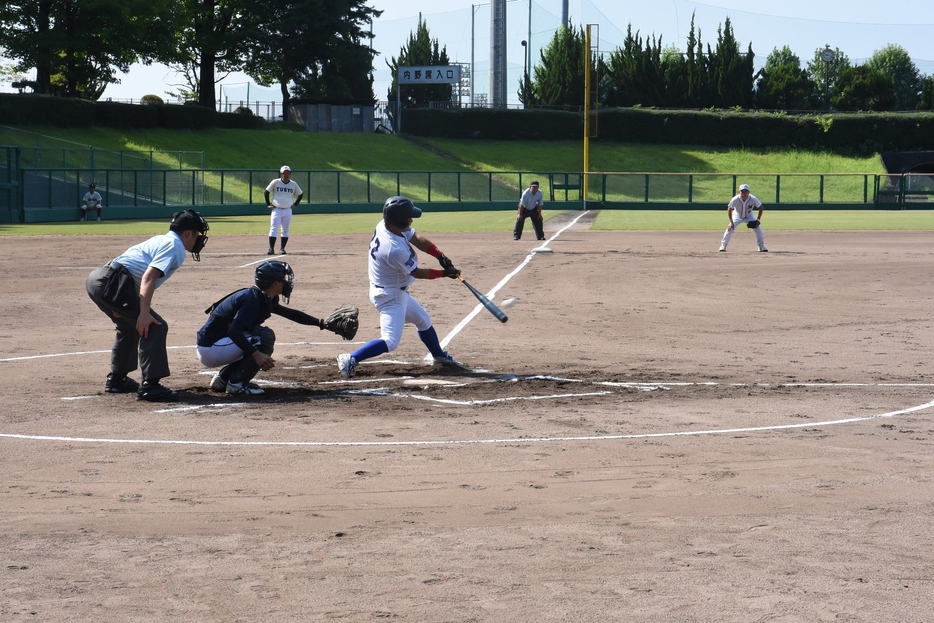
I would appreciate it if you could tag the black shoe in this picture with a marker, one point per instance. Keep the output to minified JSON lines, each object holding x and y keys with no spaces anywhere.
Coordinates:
{"x":515,"y":237}
{"x":120,"y":385}
{"x":155,"y":392}
{"x":282,"y":252}
{"x":271,"y":251}
{"x":541,"y":238}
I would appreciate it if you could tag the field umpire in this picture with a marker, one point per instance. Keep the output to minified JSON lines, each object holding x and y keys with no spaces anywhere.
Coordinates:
{"x":123,"y":289}
{"x":530,"y":206}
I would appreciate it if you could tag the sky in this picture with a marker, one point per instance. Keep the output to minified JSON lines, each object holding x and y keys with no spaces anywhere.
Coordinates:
{"x":857,"y":27}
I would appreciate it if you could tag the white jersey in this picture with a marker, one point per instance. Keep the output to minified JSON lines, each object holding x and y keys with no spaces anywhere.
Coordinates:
{"x":742,"y":209}
{"x":92,"y":200}
{"x":283,"y":195}
{"x":392,"y":259}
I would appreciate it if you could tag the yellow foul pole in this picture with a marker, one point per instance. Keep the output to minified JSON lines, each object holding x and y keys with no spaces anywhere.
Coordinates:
{"x":586,"y":111}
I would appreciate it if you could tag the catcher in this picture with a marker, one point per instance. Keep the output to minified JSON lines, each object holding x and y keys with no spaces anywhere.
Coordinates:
{"x":233,"y":336}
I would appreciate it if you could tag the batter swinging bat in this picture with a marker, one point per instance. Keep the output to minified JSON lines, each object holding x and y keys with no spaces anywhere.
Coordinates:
{"x":490,"y":307}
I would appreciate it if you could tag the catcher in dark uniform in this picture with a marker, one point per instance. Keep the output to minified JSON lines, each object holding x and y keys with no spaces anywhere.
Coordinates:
{"x":233,"y":336}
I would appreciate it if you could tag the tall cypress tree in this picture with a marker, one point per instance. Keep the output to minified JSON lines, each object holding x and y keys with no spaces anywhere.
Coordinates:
{"x":559,"y":76}
{"x":420,"y":50}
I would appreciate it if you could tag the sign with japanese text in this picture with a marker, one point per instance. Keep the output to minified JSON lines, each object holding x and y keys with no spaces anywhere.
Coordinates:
{"x":432,"y":74}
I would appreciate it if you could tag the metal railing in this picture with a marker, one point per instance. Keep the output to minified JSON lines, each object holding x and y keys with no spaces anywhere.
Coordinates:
{"x":59,"y":187}
{"x":775,"y":189}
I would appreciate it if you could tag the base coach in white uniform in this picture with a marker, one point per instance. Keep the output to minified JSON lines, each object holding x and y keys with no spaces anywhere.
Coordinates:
{"x":285,"y":196}
{"x":740,"y":210}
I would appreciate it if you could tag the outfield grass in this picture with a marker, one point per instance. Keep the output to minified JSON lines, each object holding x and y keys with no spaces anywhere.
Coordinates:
{"x":248,"y":149}
{"x":269,"y":149}
{"x":639,"y":157}
{"x":442,"y":222}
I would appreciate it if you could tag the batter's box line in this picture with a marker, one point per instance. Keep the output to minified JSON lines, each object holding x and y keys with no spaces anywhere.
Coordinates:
{"x":376,"y":392}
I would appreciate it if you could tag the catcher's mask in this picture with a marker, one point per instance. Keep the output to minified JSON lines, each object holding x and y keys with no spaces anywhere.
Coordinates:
{"x":191,"y":220}
{"x":398,"y":210}
{"x":273,"y":271}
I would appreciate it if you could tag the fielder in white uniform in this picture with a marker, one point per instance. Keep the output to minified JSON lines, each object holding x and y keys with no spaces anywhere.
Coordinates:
{"x":92,"y":201}
{"x":393,"y":267}
{"x":740,"y":210}
{"x":285,"y":196}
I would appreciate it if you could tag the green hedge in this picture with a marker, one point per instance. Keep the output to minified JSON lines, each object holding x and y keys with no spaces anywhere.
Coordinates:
{"x":116,"y":114}
{"x":29,"y":109}
{"x":856,"y":132}
{"x":239,"y":121}
{"x":185,"y":117}
{"x":492,"y":123}
{"x":23,"y":109}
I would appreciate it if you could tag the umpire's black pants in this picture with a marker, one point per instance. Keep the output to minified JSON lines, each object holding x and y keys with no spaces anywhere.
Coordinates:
{"x":114,"y":291}
{"x":537,"y":223}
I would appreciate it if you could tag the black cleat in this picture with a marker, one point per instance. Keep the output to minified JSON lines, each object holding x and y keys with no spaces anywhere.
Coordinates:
{"x":155,"y":392}
{"x":120,"y":385}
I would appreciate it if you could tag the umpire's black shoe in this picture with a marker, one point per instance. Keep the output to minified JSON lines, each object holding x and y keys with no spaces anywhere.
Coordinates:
{"x":120,"y":385}
{"x":155,"y":392}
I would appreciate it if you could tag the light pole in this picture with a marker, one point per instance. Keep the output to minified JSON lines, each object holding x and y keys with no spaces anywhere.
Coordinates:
{"x":827,"y":55}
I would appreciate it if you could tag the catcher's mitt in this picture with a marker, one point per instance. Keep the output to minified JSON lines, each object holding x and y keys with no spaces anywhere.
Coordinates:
{"x":343,"y":321}
{"x":752,"y":224}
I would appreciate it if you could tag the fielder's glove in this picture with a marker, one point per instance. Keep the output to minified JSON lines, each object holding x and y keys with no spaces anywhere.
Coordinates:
{"x":343,"y":321}
{"x":752,"y":224}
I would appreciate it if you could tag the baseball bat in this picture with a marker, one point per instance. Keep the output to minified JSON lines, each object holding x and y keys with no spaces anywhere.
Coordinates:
{"x":490,"y":307}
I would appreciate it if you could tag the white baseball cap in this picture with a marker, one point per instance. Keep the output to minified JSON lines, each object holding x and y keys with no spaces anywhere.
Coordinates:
{"x":285,"y":168}
{"x":744,"y":187}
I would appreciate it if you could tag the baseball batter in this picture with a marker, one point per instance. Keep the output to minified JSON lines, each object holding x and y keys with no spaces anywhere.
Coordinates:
{"x":393,"y":267}
{"x":740,"y":210}
{"x":286,"y":194}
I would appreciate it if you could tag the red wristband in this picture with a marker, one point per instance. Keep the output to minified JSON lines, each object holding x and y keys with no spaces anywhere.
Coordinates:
{"x":435,"y":273}
{"x":433,"y":251}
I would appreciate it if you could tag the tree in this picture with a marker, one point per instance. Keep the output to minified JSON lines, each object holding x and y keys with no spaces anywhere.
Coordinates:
{"x":9,"y":74}
{"x":783,"y":83}
{"x":634,"y":74}
{"x":863,"y":88}
{"x":926,"y":101}
{"x":214,"y":37}
{"x":420,"y":50}
{"x":317,"y":45}
{"x":559,"y":76}
{"x":825,"y":75}
{"x":894,"y":62}
{"x":78,"y":46}
{"x":730,"y":72}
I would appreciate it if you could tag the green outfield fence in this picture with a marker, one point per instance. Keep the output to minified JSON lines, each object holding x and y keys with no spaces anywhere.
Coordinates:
{"x":47,"y":194}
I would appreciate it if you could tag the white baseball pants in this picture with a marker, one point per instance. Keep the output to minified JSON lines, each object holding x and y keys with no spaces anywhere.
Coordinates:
{"x":280,"y":217}
{"x":760,"y":237}
{"x":397,"y":307}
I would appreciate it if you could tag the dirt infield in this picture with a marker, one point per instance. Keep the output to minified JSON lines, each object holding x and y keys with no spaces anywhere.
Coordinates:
{"x":661,"y":432}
